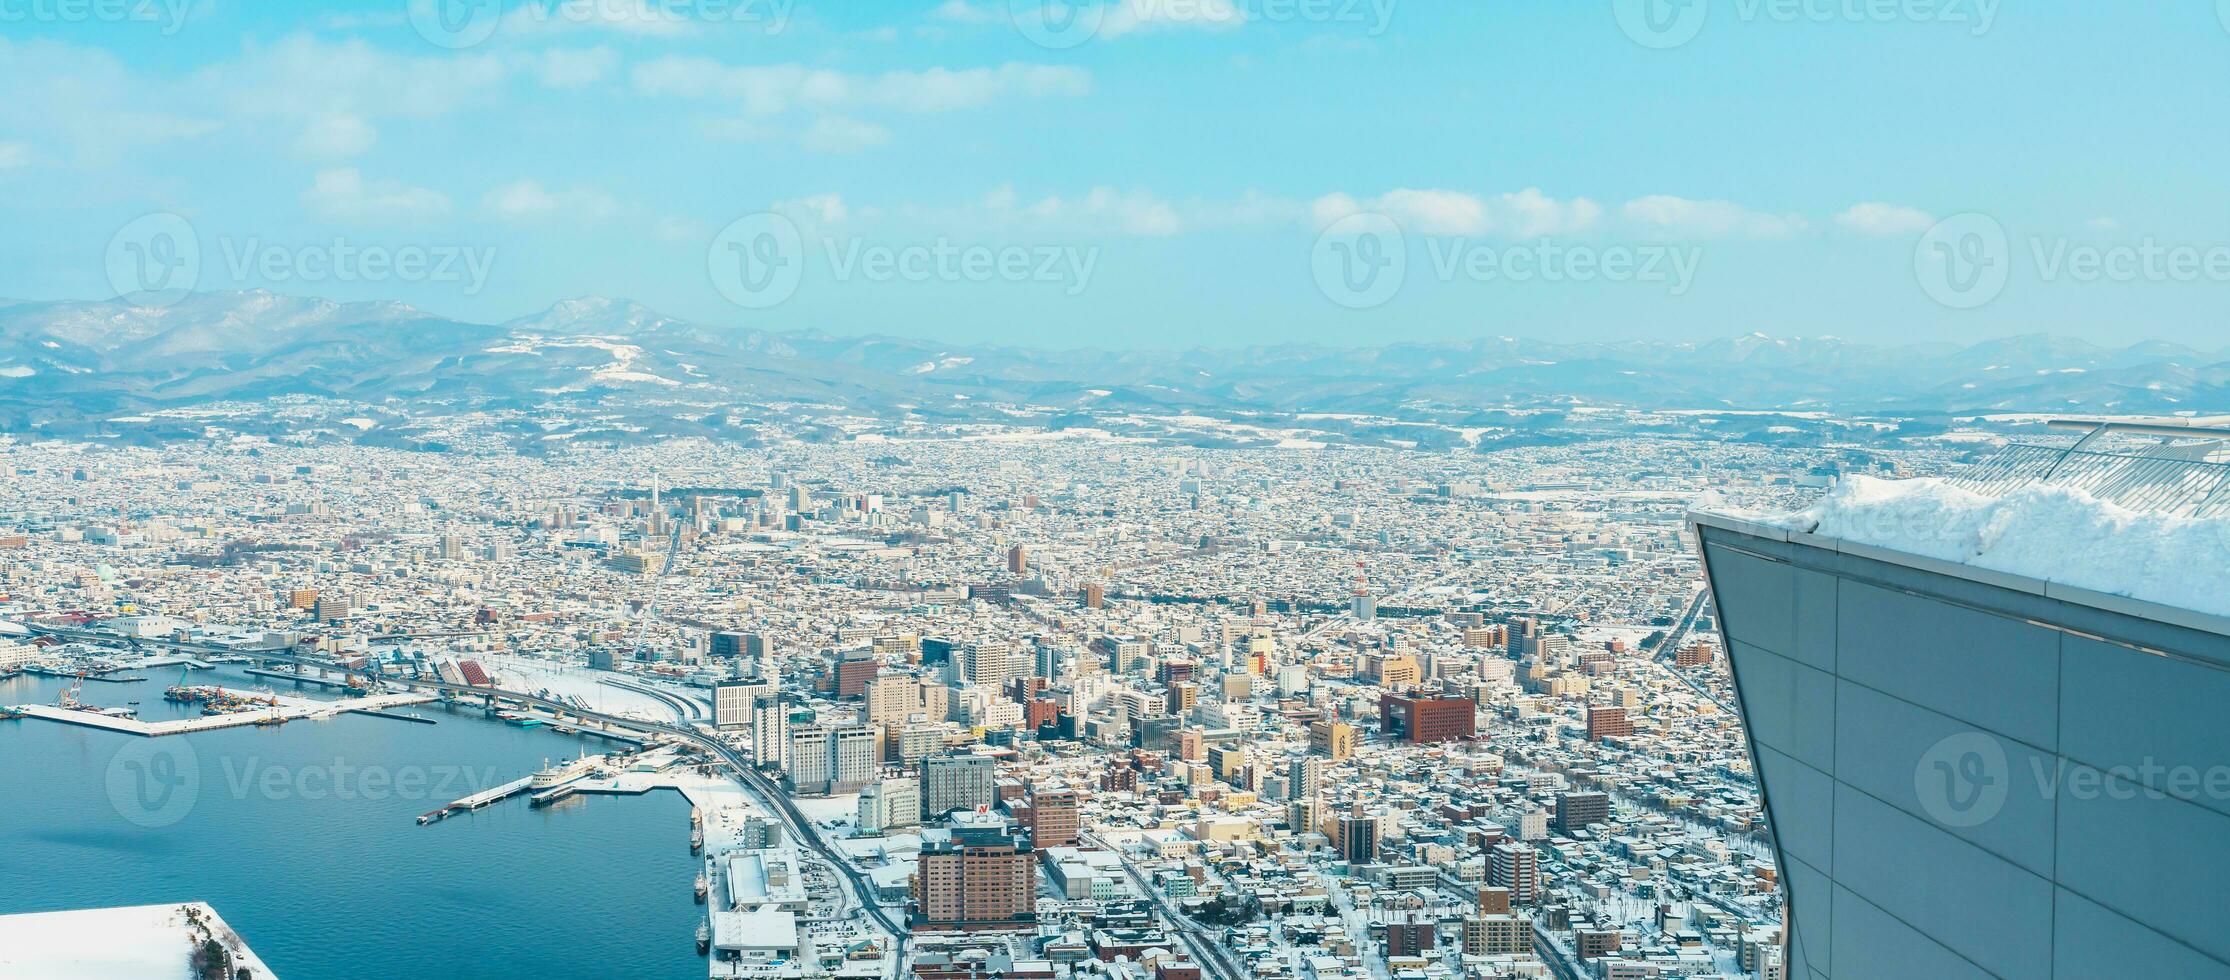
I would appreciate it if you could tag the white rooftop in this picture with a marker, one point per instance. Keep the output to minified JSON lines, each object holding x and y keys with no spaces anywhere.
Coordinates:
{"x":2054,"y":534}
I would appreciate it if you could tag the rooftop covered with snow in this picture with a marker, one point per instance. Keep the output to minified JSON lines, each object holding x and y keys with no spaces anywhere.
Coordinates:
{"x":2150,"y":526}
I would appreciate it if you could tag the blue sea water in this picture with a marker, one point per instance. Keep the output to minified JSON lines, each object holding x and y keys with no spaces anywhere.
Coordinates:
{"x":304,"y":837}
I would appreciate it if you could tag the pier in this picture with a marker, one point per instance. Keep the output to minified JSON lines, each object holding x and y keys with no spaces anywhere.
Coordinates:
{"x":287,"y":709}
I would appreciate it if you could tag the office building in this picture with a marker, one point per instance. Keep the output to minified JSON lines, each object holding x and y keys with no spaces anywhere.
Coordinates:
{"x":1575,"y":812}
{"x":978,"y":878}
{"x":956,"y":782}
{"x":1422,"y":720}
{"x":1971,"y":772}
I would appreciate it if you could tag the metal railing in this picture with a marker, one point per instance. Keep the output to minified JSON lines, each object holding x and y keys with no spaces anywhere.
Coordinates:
{"x":2180,"y":479}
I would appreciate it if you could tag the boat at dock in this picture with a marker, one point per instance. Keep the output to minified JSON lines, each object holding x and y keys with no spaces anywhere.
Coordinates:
{"x":555,"y":776}
{"x":704,"y":887}
{"x":704,"y":938}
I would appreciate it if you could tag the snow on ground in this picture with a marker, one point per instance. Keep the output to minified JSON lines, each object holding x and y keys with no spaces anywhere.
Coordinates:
{"x":2057,"y":534}
{"x":532,"y":676}
{"x":835,"y":813}
{"x":143,"y":942}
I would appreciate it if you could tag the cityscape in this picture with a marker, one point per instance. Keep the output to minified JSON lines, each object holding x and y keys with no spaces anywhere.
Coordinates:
{"x":1108,"y":490}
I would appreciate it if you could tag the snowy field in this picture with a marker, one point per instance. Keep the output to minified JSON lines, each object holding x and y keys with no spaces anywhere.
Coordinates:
{"x":528,"y":676}
{"x":143,"y":942}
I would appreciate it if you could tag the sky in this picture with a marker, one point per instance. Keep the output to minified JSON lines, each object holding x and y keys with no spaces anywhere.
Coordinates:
{"x":1142,"y":173}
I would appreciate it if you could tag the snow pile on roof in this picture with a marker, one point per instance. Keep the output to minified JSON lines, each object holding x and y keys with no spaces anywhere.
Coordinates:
{"x":2056,"y":534}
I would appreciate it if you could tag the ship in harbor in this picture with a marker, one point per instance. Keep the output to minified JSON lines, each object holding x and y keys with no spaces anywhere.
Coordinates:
{"x":555,"y":776}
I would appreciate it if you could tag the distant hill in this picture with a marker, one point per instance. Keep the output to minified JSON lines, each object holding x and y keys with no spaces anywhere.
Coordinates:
{"x":91,"y":360}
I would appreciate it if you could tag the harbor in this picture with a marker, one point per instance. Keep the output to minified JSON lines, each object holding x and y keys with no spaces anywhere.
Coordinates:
{"x":279,"y":709}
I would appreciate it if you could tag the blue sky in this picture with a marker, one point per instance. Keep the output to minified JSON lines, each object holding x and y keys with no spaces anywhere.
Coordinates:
{"x":1177,"y":178}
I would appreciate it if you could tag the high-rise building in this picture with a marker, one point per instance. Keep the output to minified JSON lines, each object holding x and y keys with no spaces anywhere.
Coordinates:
{"x":961,"y":781}
{"x":1971,"y":772}
{"x":734,"y":701}
{"x":1094,"y":596}
{"x":1517,"y":867}
{"x":1500,"y":934}
{"x":1055,"y":818}
{"x":332,"y":608}
{"x":1576,"y":811}
{"x":855,"y":670}
{"x":1018,"y":560}
{"x":889,"y":804}
{"x":1358,"y":840}
{"x":1335,"y":740}
{"x":1607,"y":722}
{"x":980,"y":878}
{"x":831,"y":760}
{"x":1422,"y":720}
{"x":770,"y":732}
{"x":1305,"y":776}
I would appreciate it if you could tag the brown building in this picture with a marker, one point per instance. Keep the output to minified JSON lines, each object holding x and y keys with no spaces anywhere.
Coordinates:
{"x":1054,"y":818}
{"x":1018,"y":560}
{"x":1333,"y":739}
{"x":1575,"y":811}
{"x":982,"y":878}
{"x":1408,"y":938}
{"x":855,"y":673}
{"x":1596,"y":942}
{"x":1095,"y":596}
{"x":1422,"y":720}
{"x":1694,"y":655}
{"x":1604,"y":722}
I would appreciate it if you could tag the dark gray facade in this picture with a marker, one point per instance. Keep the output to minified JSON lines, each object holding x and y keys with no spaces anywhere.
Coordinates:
{"x":1971,"y":774}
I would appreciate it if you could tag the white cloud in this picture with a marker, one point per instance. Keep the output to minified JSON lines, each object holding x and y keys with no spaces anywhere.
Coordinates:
{"x":766,"y":90}
{"x":1135,"y":16}
{"x":1526,"y":214}
{"x":14,"y":156}
{"x":1874,"y":218}
{"x":83,"y":106}
{"x":823,"y":208}
{"x":526,"y":201}
{"x":344,"y":195}
{"x":1684,"y":218}
{"x":336,"y":136}
{"x":836,"y":134}
{"x":962,"y":12}
{"x":574,"y":68}
{"x":639,"y":18}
